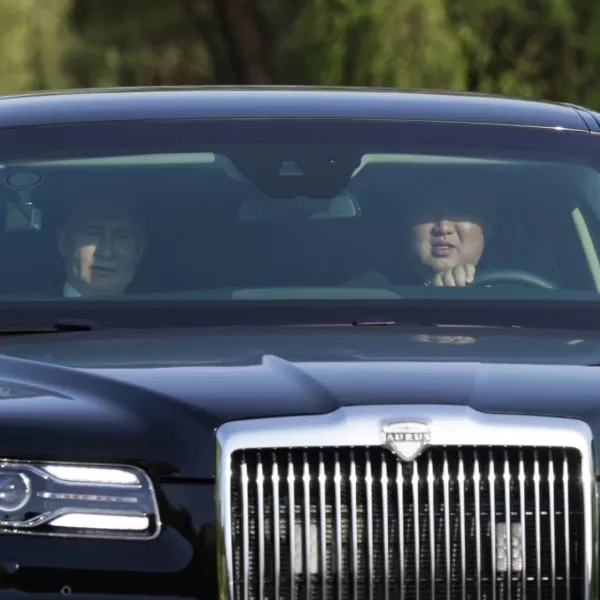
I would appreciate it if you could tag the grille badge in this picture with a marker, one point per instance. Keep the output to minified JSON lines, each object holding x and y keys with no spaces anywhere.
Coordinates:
{"x":406,"y":439}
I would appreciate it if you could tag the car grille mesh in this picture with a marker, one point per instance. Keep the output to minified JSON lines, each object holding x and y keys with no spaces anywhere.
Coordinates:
{"x":357,"y":523}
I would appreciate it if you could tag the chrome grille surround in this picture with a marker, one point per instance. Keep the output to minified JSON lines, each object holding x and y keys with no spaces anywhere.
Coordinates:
{"x":451,"y":427}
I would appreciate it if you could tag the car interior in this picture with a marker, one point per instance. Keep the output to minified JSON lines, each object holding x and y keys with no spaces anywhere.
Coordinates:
{"x":210,"y":228}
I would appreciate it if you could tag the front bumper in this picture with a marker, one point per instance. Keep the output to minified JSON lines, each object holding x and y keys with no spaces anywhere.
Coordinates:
{"x":180,"y":564}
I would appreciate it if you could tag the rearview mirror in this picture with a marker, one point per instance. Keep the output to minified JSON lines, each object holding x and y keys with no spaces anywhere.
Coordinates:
{"x":302,"y":208}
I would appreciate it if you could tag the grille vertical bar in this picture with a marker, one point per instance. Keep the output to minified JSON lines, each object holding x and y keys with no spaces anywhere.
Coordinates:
{"x":385,"y":516}
{"x":323,"y":526}
{"x":446,"y":482}
{"x":356,"y":523}
{"x":477,"y":496}
{"x":566,"y":519}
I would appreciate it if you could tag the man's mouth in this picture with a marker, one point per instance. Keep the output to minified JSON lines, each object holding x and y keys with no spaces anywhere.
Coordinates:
{"x":441,"y":250}
{"x":101,"y":271}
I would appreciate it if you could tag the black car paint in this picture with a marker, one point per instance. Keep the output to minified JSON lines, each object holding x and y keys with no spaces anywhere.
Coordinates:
{"x":85,"y":106}
{"x":155,"y":399}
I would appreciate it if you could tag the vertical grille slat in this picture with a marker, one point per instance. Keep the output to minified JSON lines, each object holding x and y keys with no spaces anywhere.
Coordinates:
{"x":337,"y":479}
{"x":523,"y":522}
{"x":552,"y":515}
{"x":446,"y":480}
{"x":276,"y":531}
{"x":400,"y":495}
{"x":358,"y":523}
{"x":260,"y":509}
{"x":566,"y":519}
{"x":492,"y":509}
{"x":462,"y":527}
{"x":369,"y":524}
{"x":416,"y":530}
{"x":386,"y":539}
{"x":507,"y":560}
{"x":477,"y":492}
{"x":245,"y":534}
{"x":354,"y":525}
{"x":431,"y":511}
{"x":291,"y":478}
{"x":538,"y":525}
{"x":307,"y":521}
{"x":323,"y":527}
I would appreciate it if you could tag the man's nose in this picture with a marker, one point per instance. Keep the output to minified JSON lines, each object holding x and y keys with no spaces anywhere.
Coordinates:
{"x":443,"y":227}
{"x":104,"y":248}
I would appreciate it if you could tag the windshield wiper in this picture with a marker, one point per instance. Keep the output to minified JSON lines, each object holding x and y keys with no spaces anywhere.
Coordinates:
{"x":382,"y":321}
{"x":60,"y":326}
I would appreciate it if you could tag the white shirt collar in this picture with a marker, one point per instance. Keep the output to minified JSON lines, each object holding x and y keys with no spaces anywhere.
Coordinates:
{"x":70,"y":292}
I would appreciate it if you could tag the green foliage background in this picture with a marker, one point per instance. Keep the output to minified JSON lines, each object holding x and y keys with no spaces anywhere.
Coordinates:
{"x":539,"y":48}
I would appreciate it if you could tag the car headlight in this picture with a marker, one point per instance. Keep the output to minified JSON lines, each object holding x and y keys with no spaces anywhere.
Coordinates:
{"x":76,"y":500}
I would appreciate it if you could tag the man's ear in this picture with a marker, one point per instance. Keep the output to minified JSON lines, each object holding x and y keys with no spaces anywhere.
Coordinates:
{"x":63,"y":243}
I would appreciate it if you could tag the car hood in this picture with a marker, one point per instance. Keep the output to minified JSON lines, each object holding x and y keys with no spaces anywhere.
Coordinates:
{"x":157,"y":398}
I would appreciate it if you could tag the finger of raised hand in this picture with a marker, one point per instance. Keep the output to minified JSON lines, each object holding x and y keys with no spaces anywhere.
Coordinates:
{"x":448,"y":278}
{"x":470,"y":273}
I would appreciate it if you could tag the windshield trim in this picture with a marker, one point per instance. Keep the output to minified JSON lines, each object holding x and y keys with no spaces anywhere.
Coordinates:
{"x":566,"y":315}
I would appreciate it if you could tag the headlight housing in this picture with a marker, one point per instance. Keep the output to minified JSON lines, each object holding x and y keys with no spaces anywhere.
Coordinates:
{"x":77,"y":500}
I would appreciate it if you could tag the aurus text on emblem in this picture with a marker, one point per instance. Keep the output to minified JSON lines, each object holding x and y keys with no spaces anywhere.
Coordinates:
{"x":406,"y":439}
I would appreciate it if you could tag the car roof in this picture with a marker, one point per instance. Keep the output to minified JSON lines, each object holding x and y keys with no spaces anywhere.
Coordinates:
{"x":118,"y":104}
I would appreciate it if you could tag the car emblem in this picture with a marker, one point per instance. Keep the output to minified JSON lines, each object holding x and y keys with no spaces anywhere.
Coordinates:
{"x":406,"y":439}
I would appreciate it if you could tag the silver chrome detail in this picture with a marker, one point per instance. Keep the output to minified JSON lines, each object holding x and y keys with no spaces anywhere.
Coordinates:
{"x":452,"y":429}
{"x":408,"y":440}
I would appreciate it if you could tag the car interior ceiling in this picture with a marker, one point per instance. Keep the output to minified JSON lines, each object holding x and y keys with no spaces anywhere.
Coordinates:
{"x":195,"y":227}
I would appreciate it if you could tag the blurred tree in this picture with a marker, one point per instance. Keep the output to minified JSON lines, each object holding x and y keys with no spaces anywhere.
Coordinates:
{"x":138,"y":42}
{"x":370,"y":42}
{"x":543,"y":48}
{"x":34,"y":41}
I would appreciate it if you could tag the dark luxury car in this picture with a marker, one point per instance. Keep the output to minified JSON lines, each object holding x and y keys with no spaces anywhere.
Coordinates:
{"x":298,"y":344}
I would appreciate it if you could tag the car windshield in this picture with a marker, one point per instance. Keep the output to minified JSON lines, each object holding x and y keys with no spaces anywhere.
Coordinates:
{"x":297,"y":210}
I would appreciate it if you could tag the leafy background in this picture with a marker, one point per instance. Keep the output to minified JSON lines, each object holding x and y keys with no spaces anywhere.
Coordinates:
{"x":539,"y":48}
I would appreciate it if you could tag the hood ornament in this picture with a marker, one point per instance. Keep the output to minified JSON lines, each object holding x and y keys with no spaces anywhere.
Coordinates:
{"x":406,"y":439}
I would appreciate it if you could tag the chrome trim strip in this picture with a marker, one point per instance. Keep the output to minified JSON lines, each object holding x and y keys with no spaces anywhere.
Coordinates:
{"x":307,"y":522}
{"x":353,"y":527}
{"x":552,"y":511}
{"x":369,"y":524}
{"x":523,"y":520}
{"x":337,"y":480}
{"x":260,"y":482}
{"x":538,"y":527}
{"x":385,"y":529}
{"x":431,"y":511}
{"x":322,"y":524}
{"x":446,"y":482}
{"x":276,"y":525}
{"x":567,"y":533}
{"x":463,"y":527}
{"x":476,"y":487}
{"x":291,"y":478}
{"x":362,"y":426}
{"x":400,"y":492}
{"x":492,"y":489}
{"x":245,"y":535}
{"x":507,"y":525}
{"x":417,"y":533}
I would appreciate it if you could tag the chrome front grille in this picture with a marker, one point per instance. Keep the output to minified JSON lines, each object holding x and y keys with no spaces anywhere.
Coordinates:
{"x":324,"y":524}
{"x":337,"y":522}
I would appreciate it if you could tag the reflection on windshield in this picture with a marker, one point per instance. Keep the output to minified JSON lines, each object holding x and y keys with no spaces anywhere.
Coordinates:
{"x":336,"y":225}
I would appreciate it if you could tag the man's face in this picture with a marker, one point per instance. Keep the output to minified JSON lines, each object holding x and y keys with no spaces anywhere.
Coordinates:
{"x":101,"y":253}
{"x":445,"y":238}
